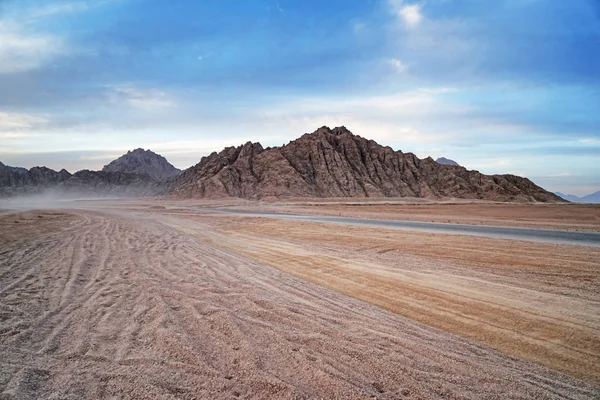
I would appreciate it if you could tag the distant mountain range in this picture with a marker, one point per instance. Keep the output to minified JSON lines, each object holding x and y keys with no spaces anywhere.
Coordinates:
{"x":137,"y":173}
{"x":325,"y":163}
{"x":590,"y":198}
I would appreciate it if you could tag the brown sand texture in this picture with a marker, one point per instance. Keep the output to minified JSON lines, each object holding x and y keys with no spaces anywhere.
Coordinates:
{"x":141,"y":303}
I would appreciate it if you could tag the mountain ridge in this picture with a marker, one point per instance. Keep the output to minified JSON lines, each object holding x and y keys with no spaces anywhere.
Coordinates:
{"x":592,"y":198}
{"x":337,"y":163}
{"x":8,"y":168}
{"x":137,"y":173}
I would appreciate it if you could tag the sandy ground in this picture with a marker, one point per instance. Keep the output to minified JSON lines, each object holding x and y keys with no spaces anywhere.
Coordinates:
{"x":137,"y":301}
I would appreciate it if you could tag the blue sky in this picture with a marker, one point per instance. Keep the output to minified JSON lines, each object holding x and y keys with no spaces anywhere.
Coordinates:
{"x":506,"y":86}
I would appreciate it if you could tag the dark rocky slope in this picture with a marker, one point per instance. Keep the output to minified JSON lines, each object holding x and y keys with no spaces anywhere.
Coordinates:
{"x":337,"y":163}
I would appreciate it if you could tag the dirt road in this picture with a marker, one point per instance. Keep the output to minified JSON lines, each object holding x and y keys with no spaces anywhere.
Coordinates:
{"x":144,"y":304}
{"x":500,"y":232}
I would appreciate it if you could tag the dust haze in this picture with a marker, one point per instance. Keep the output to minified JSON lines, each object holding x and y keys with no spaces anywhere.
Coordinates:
{"x":54,"y":199}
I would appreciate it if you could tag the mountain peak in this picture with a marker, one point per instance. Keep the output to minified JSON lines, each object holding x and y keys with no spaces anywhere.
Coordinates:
{"x":140,"y":161}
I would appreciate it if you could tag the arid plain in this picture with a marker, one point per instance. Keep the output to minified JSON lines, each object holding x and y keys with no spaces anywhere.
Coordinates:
{"x":159,"y":299}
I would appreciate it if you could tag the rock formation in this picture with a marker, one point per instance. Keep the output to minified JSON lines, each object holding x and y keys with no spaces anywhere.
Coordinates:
{"x":337,"y":163}
{"x":140,"y":161}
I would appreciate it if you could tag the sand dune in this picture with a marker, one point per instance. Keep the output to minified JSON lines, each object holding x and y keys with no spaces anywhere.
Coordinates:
{"x":132,"y":304}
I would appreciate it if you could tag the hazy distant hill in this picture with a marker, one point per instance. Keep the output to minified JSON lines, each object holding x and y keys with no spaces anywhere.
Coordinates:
{"x":128,"y":176}
{"x":337,"y":163}
{"x":446,"y":161}
{"x":590,"y":198}
{"x":140,"y":161}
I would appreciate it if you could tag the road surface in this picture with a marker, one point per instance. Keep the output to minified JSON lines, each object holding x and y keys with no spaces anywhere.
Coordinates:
{"x":500,"y":232}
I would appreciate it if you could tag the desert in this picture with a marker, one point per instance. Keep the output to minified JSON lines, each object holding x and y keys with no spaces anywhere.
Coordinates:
{"x":159,"y":299}
{"x":299,"y":200}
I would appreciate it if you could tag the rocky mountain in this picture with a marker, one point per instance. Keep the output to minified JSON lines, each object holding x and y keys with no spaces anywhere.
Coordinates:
{"x":8,"y":168}
{"x":137,"y":173}
{"x":337,"y":163}
{"x":593,"y":198}
{"x":140,"y":161}
{"x":446,"y":161}
{"x":39,"y":180}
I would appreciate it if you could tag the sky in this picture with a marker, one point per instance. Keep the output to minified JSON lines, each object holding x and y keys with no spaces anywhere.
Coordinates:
{"x":504,"y":86}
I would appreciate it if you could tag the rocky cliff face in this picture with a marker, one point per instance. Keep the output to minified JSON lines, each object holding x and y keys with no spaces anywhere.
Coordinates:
{"x":337,"y":163}
{"x":140,"y":161}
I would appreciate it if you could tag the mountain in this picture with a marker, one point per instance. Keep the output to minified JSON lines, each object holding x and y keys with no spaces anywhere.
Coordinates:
{"x":140,"y":161}
{"x":40,"y":180}
{"x":446,"y":161}
{"x":337,"y":163}
{"x":137,"y":173}
{"x":7,"y":168}
{"x":590,"y":198}
{"x":569,"y":197}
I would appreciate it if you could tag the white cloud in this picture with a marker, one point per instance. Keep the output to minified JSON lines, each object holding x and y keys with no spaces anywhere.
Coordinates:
{"x":22,"y":51}
{"x":409,"y":14}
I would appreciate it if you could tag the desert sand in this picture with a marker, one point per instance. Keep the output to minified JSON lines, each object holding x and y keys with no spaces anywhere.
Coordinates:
{"x":152,"y":300}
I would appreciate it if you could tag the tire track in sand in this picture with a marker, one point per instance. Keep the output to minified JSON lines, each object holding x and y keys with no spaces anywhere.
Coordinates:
{"x":134,"y":307}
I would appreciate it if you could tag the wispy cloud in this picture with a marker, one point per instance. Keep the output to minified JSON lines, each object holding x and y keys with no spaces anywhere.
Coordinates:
{"x":51,"y":9}
{"x":141,"y":98}
{"x":17,"y":121}
{"x":64,"y":7}
{"x":398,"y":65}
{"x":24,"y":45}
{"x":21,"y":50}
